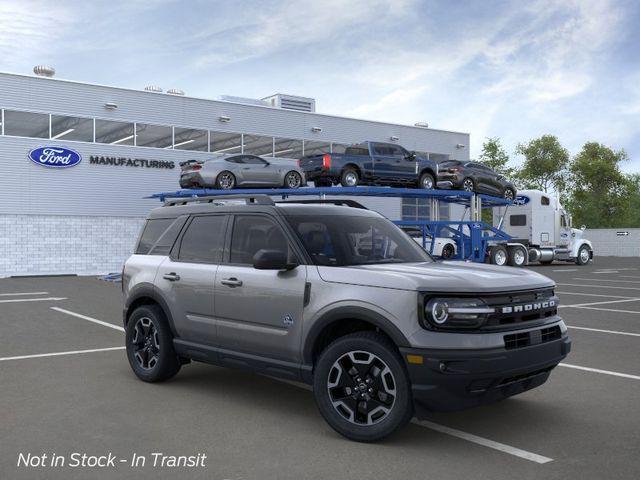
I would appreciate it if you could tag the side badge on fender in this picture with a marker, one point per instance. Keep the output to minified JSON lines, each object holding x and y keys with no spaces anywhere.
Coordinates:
{"x":287,"y":320}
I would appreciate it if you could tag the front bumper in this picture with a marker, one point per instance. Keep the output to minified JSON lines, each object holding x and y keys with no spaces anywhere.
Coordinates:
{"x":450,"y":380}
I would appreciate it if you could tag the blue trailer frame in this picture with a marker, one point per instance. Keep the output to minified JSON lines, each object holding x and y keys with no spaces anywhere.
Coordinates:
{"x":472,"y":237}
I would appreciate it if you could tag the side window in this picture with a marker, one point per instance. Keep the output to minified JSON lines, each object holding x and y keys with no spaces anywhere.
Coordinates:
{"x":381,"y":149}
{"x":518,"y":220}
{"x":252,"y":233}
{"x":544,"y":200}
{"x":397,"y":151}
{"x":253,"y":160}
{"x":239,"y":159}
{"x":151,"y":233}
{"x":317,"y":241}
{"x":204,"y":239}
{"x":563,"y":221}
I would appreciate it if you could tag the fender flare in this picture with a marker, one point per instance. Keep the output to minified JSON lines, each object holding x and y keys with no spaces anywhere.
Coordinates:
{"x":147,"y":290}
{"x":578,"y":245}
{"x":355,"y":313}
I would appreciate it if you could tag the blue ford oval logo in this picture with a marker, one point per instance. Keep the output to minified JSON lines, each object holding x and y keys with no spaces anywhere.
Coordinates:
{"x":55,"y":157}
{"x":521,"y":200}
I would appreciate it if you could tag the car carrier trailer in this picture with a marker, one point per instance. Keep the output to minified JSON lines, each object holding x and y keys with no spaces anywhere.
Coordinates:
{"x":475,"y":240}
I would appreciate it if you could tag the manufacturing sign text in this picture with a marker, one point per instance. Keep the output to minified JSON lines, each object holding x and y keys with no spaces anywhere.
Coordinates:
{"x":130,"y":162}
{"x":55,"y":157}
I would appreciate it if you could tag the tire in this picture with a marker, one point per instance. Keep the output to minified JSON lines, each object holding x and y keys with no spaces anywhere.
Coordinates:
{"x":517,"y":257}
{"x":468,"y":185}
{"x":509,"y":194}
{"x":381,"y":372}
{"x":584,"y":255}
{"x":292,"y":180}
{"x":149,"y":344}
{"x":349,"y":177}
{"x":498,"y":255}
{"x":448,"y":251}
{"x":225,"y":180}
{"x":427,"y":182}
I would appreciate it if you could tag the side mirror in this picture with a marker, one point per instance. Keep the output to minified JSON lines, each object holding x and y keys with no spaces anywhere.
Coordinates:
{"x":272,"y":260}
{"x":411,"y":156}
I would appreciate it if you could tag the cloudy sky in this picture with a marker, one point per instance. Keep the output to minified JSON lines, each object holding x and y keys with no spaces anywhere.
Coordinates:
{"x":511,"y":69}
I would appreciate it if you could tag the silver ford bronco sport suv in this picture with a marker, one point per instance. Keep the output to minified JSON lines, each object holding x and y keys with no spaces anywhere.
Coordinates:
{"x":339,"y":298}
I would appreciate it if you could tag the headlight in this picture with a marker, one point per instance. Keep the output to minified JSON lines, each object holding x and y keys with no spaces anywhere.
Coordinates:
{"x":456,"y":312}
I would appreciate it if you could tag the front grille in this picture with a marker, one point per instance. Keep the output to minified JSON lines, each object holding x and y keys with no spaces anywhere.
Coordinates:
{"x":520,"y":307}
{"x":523,"y":377}
{"x":533,"y":337}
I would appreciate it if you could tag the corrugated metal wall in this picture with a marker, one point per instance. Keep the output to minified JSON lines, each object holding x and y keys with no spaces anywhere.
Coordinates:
{"x":619,"y":242}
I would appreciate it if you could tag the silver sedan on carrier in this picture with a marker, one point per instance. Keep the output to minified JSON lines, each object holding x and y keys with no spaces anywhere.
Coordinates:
{"x":230,"y":171}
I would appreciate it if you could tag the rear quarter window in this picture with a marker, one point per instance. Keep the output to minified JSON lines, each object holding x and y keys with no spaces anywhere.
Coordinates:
{"x":159,"y":232}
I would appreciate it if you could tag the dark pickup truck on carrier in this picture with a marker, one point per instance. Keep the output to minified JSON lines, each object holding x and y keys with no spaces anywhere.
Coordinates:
{"x":371,"y":163}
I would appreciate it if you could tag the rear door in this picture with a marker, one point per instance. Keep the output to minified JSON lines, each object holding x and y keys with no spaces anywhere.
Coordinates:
{"x":259,"y":311}
{"x":186,"y":278}
{"x":390,"y":163}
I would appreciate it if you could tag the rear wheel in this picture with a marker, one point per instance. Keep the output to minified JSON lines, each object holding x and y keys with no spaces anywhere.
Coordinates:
{"x":517,"y":256}
{"x":427,"y":181}
{"x":349,"y":178}
{"x":293,"y":180}
{"x":149,"y":345}
{"x":498,"y":255}
{"x":468,"y":185}
{"x":226,"y":180}
{"x":362,"y":388}
{"x":448,"y":251}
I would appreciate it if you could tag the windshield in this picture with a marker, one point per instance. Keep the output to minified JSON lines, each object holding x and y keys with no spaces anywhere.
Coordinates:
{"x":345,"y":240}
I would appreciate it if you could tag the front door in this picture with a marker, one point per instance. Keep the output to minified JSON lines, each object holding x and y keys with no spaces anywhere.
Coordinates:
{"x":259,"y":311}
{"x":187,"y":277}
{"x":392,"y":163}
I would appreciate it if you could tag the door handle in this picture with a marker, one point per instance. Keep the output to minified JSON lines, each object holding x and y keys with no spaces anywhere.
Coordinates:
{"x":231,"y":282}
{"x":172,"y":277}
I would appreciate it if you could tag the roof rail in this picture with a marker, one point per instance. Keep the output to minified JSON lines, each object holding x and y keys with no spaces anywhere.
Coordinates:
{"x":338,"y":201}
{"x":249,"y":199}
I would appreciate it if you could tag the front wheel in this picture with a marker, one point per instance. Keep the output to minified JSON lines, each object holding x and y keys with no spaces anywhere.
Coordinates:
{"x":508,"y":194}
{"x":149,"y":345}
{"x":293,"y":180}
{"x":427,"y":182}
{"x":468,"y":185}
{"x":583,"y":255}
{"x":362,"y":388}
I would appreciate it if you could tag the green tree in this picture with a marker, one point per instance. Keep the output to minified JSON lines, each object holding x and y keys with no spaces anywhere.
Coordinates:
{"x":600,"y":193}
{"x":494,"y":156}
{"x":545,"y":164}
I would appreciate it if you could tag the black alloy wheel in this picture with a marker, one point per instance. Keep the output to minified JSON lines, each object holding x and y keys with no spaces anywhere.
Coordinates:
{"x":468,"y":185}
{"x":226,"y":180}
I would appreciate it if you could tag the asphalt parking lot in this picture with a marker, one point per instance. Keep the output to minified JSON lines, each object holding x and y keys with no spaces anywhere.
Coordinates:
{"x":66,"y":387}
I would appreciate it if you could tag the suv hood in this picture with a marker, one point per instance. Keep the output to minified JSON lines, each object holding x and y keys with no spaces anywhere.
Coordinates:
{"x":461,"y":277}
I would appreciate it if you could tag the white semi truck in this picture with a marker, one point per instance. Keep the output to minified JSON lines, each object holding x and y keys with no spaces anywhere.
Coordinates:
{"x":541,"y":230}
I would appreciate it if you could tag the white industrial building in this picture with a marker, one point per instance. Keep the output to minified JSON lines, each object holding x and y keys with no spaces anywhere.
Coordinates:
{"x":85,"y":219}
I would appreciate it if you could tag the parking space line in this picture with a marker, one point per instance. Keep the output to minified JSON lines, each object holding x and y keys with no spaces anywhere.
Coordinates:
{"x":566,"y":270}
{"x":591,"y":294}
{"x":577,"y":305}
{"x":485,"y":442}
{"x":616,"y":332}
{"x":603,"y":280}
{"x":607,"y":309}
{"x":22,"y":293}
{"x":57,"y":354}
{"x":89,"y":319}
{"x":597,"y":370}
{"x":533,"y":457}
{"x":597,"y":286}
{"x":44,"y":299}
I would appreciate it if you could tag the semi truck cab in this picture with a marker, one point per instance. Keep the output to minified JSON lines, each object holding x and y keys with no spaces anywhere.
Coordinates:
{"x":537,"y":220}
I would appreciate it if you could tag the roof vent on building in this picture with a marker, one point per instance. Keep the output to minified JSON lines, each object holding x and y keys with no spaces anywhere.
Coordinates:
{"x":44,"y":71}
{"x":153,"y":88}
{"x":244,"y":100}
{"x":422,"y":124}
{"x":292,"y":102}
{"x":175,"y":91}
